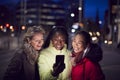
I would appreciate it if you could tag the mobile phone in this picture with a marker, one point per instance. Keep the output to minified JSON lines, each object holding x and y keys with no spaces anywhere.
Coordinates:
{"x":59,"y":59}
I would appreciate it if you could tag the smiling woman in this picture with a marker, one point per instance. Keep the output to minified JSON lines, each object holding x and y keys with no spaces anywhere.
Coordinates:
{"x":85,"y":58}
{"x":23,"y":65}
{"x":57,"y":42}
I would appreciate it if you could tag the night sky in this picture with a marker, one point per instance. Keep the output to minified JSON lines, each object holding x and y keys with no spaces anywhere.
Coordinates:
{"x":90,"y":6}
{"x":6,"y":2}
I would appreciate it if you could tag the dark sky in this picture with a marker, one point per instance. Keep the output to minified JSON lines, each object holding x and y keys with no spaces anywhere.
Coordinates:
{"x":8,"y":1}
{"x":90,"y":6}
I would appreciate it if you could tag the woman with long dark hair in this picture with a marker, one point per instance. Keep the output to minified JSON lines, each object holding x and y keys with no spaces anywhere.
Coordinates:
{"x":85,"y":58}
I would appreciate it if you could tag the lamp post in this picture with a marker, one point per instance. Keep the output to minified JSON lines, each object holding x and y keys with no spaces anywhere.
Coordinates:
{"x":80,"y":8}
{"x":118,"y":20}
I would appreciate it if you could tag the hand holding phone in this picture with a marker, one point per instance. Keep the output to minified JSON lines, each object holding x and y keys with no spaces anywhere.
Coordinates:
{"x":59,"y":65}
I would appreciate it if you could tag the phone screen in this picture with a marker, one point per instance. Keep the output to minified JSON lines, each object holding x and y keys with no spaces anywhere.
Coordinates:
{"x":59,"y":59}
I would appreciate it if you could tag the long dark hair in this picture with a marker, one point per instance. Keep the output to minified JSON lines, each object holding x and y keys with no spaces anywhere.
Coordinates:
{"x":86,"y":42}
{"x":55,"y":30}
{"x":86,"y":36}
{"x":95,"y":52}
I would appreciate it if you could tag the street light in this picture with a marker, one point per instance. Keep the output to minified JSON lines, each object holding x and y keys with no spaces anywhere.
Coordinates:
{"x":80,"y":8}
{"x":72,"y":15}
{"x":23,"y":27}
{"x":7,"y":25}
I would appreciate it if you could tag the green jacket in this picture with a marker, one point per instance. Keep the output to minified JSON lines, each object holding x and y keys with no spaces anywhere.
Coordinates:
{"x":46,"y":61}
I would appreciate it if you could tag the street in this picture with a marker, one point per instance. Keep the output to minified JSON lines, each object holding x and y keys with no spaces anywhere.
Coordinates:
{"x":5,"y":57}
{"x":110,"y":63}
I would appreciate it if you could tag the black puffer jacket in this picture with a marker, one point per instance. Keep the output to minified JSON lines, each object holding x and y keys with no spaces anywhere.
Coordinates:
{"x":95,"y":53}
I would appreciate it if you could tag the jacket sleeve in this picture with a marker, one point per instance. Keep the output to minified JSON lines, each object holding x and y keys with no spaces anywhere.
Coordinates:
{"x":94,"y":72}
{"x":44,"y":69}
{"x":14,"y":68}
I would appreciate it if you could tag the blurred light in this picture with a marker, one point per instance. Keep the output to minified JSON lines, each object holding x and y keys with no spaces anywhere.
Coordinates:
{"x":29,"y":21}
{"x":11,"y":27}
{"x":80,"y":8}
{"x":75,"y":26}
{"x":100,"y":22}
{"x":1,"y":27}
{"x":73,"y":30}
{"x":12,"y":34}
{"x":23,"y":27}
{"x":94,"y":38}
{"x":98,"y":33}
{"x":109,"y":42}
{"x":4,"y":30}
{"x":105,"y":41}
{"x":115,"y":28}
{"x":90,"y":33}
{"x":53,"y":26}
{"x":7,"y":25}
{"x":72,"y":14}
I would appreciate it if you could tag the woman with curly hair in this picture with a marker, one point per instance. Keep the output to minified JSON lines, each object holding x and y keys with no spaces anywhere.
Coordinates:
{"x":23,"y":65}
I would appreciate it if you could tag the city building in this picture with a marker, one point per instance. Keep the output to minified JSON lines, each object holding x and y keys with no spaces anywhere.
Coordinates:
{"x":49,"y":13}
{"x":114,"y":23}
{"x":37,"y":12}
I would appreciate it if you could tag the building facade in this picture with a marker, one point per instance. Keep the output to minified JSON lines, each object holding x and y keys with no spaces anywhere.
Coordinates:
{"x":37,"y":12}
{"x":114,"y":14}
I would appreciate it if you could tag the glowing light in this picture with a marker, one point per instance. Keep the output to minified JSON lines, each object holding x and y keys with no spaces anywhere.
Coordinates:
{"x":11,"y":27}
{"x":98,"y":33}
{"x":94,"y":38}
{"x":75,"y":26}
{"x":72,"y":14}
{"x":100,"y":22}
{"x":80,"y":8}
{"x":73,"y":30}
{"x":90,"y":33}
{"x":7,"y":25}
{"x":23,"y":27}
{"x":105,"y":41}
{"x":1,"y":27}
{"x":109,"y":42}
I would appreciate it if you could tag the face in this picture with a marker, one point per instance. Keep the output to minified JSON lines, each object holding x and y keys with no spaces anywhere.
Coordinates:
{"x":78,"y":43}
{"x":37,"y":41}
{"x":58,"y":41}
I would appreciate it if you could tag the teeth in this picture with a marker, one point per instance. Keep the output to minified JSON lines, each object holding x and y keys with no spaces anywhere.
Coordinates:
{"x":58,"y":46}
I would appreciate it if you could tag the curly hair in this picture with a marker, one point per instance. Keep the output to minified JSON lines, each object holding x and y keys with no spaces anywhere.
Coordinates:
{"x":32,"y":54}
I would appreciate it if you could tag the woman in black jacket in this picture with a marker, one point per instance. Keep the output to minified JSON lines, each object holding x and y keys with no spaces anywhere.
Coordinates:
{"x":23,"y":65}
